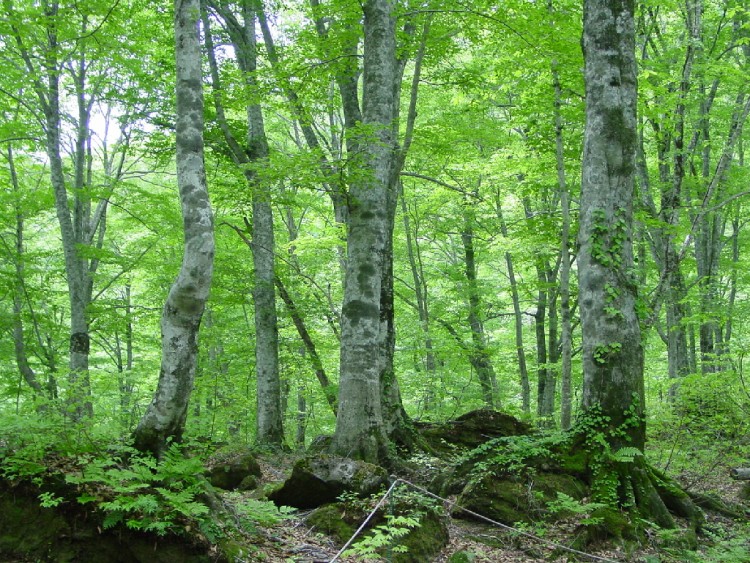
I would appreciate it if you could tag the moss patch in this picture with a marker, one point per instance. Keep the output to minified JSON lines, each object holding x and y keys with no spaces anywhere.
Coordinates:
{"x":69,"y":533}
{"x":503,"y":500}
{"x":425,"y":541}
{"x":471,"y":430}
{"x":329,"y":519}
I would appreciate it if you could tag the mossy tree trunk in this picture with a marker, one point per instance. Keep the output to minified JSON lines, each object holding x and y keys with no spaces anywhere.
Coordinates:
{"x":360,"y":430}
{"x":613,"y":392}
{"x":612,"y":349}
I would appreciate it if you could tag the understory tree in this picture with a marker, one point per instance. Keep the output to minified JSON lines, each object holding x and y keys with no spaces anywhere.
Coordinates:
{"x":252,"y":156}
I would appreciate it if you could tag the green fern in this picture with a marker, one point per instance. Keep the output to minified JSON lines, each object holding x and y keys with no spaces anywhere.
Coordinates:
{"x":626,"y":455}
{"x":145,"y":495}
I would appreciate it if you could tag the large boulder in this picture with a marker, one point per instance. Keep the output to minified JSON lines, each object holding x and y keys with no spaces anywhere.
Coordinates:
{"x":471,"y":430}
{"x":420,"y":543}
{"x":512,"y":498}
{"x":321,"y":479}
{"x":235,"y":472}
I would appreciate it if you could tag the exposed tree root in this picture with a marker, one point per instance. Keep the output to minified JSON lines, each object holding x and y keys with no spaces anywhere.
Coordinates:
{"x":714,"y":504}
{"x":644,"y":494}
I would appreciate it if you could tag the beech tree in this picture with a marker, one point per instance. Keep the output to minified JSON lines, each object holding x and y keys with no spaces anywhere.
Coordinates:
{"x":38,"y":37}
{"x":183,"y":310}
{"x":359,"y":426}
{"x":612,"y":347}
{"x":613,"y":356}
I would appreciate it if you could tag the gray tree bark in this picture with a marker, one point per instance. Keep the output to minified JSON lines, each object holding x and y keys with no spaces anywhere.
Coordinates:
{"x":19,"y":343}
{"x":181,"y":317}
{"x":47,"y":87}
{"x":566,"y":340}
{"x":612,"y":349}
{"x":360,"y":430}
{"x":269,"y":412}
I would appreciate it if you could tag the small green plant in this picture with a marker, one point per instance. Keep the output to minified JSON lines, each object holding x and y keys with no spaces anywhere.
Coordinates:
{"x":608,"y":238}
{"x":253,"y":512}
{"x":159,"y":497}
{"x":566,"y":506}
{"x":612,"y":294}
{"x":49,"y":500}
{"x":383,"y":536}
{"x":512,"y":455}
{"x":605,"y":352}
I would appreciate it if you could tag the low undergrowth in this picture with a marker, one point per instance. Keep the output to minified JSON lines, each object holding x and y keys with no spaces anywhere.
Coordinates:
{"x":78,"y":469}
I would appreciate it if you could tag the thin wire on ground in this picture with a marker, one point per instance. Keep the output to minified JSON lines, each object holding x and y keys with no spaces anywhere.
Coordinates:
{"x":547,"y":543}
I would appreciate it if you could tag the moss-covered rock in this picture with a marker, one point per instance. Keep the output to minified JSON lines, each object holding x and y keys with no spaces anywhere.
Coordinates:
{"x":426,"y":540}
{"x":549,"y":484}
{"x":422,"y":543}
{"x":70,"y":533}
{"x":510,"y":499}
{"x":229,"y":473}
{"x":504,"y":500}
{"x":321,"y":479}
{"x":471,"y":430}
{"x":572,"y":460}
{"x":249,"y":483}
{"x":329,"y":519}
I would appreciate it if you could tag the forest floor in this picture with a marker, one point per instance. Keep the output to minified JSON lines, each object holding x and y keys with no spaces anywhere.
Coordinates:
{"x":70,"y":526}
{"x":293,"y":540}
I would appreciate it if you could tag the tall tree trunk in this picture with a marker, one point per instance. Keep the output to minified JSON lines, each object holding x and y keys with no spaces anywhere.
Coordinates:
{"x":360,"y":430}
{"x":553,"y":342}
{"x":566,"y":400}
{"x":79,"y":391}
{"x":612,"y":348}
{"x":420,"y":294}
{"x":310,"y":348}
{"x":125,"y":369}
{"x":397,"y":422}
{"x":183,"y":310}
{"x":540,"y":331}
{"x":19,"y":344}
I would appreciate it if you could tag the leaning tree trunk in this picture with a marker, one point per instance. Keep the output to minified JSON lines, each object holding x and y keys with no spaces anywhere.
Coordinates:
{"x":360,"y":430}
{"x":183,"y":310}
{"x":517,"y":316}
{"x":613,"y":390}
{"x":19,"y":344}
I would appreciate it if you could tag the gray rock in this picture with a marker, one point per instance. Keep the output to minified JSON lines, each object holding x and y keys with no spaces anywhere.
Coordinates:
{"x":321,"y":479}
{"x":231,"y":473}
